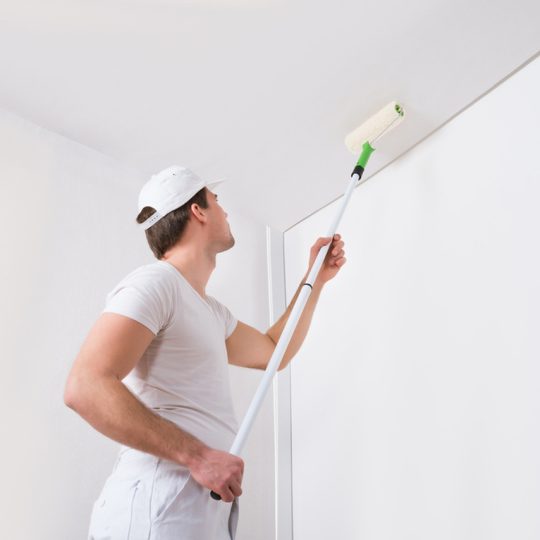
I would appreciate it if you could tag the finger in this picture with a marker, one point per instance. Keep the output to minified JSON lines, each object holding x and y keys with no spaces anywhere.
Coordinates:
{"x":226,"y":494}
{"x":336,"y":254}
{"x":337,"y":247}
{"x":235,"y":489}
{"x":334,"y":238}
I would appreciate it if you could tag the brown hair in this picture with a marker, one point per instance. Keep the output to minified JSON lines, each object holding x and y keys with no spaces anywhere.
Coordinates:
{"x":165,"y":233}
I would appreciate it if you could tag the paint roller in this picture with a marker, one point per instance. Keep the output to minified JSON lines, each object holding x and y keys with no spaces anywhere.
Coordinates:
{"x":359,"y":141}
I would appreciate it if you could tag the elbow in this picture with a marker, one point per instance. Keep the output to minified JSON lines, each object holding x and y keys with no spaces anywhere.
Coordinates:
{"x":72,"y":393}
{"x":285,"y":361}
{"x":69,"y":395}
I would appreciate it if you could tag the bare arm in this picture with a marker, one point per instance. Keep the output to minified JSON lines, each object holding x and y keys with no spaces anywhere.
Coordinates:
{"x":302,"y":326}
{"x":94,"y":389}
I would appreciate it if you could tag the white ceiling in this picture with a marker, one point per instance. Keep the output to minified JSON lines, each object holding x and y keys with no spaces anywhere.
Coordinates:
{"x":261,"y":92}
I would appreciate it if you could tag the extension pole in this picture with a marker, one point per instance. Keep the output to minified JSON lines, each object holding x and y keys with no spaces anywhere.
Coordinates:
{"x":292,"y":321}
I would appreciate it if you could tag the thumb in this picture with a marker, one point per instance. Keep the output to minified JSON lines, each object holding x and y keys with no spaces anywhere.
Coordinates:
{"x":324,"y":240}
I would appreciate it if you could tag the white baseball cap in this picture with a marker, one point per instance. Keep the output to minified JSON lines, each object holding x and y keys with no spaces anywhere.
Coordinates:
{"x":168,"y":190}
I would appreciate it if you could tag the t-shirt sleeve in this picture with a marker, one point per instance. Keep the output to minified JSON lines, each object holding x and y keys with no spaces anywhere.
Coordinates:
{"x":230,"y":323}
{"x":144,"y":299}
{"x":229,"y":320}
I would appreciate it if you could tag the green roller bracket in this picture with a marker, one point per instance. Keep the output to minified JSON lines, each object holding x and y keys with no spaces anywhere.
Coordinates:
{"x":367,"y":150}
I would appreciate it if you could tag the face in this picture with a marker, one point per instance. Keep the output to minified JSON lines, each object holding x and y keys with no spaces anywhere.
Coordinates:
{"x":223,"y":230}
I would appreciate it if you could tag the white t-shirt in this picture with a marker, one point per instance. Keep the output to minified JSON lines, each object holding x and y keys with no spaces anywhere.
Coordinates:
{"x":183,"y":375}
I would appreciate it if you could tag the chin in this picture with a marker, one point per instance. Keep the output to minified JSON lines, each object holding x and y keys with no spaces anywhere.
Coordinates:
{"x":228,"y":243}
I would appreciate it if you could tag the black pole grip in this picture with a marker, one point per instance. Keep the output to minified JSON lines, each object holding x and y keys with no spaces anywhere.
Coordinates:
{"x":359,"y":170}
{"x":215,"y":495}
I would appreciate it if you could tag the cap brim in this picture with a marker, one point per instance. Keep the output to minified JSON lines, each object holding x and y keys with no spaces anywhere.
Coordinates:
{"x":212,"y":185}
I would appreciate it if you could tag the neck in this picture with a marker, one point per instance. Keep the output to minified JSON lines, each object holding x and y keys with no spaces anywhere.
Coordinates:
{"x":195,"y":265}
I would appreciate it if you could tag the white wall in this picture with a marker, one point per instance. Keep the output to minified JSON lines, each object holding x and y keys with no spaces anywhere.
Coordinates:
{"x":68,"y":237}
{"x":415,"y":398}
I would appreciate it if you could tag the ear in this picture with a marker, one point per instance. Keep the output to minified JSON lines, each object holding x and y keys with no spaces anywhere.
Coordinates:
{"x":198,"y":213}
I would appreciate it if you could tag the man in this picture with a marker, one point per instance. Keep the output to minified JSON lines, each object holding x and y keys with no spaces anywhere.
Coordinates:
{"x":152,"y":373}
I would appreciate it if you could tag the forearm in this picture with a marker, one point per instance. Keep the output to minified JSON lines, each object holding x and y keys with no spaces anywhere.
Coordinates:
{"x":108,"y":405}
{"x":303,"y":324}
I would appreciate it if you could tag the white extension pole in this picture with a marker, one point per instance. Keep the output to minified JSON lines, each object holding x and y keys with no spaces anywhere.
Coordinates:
{"x":288,"y":331}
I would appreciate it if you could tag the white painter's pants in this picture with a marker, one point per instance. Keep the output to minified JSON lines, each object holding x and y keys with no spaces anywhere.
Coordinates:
{"x":148,"y":498}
